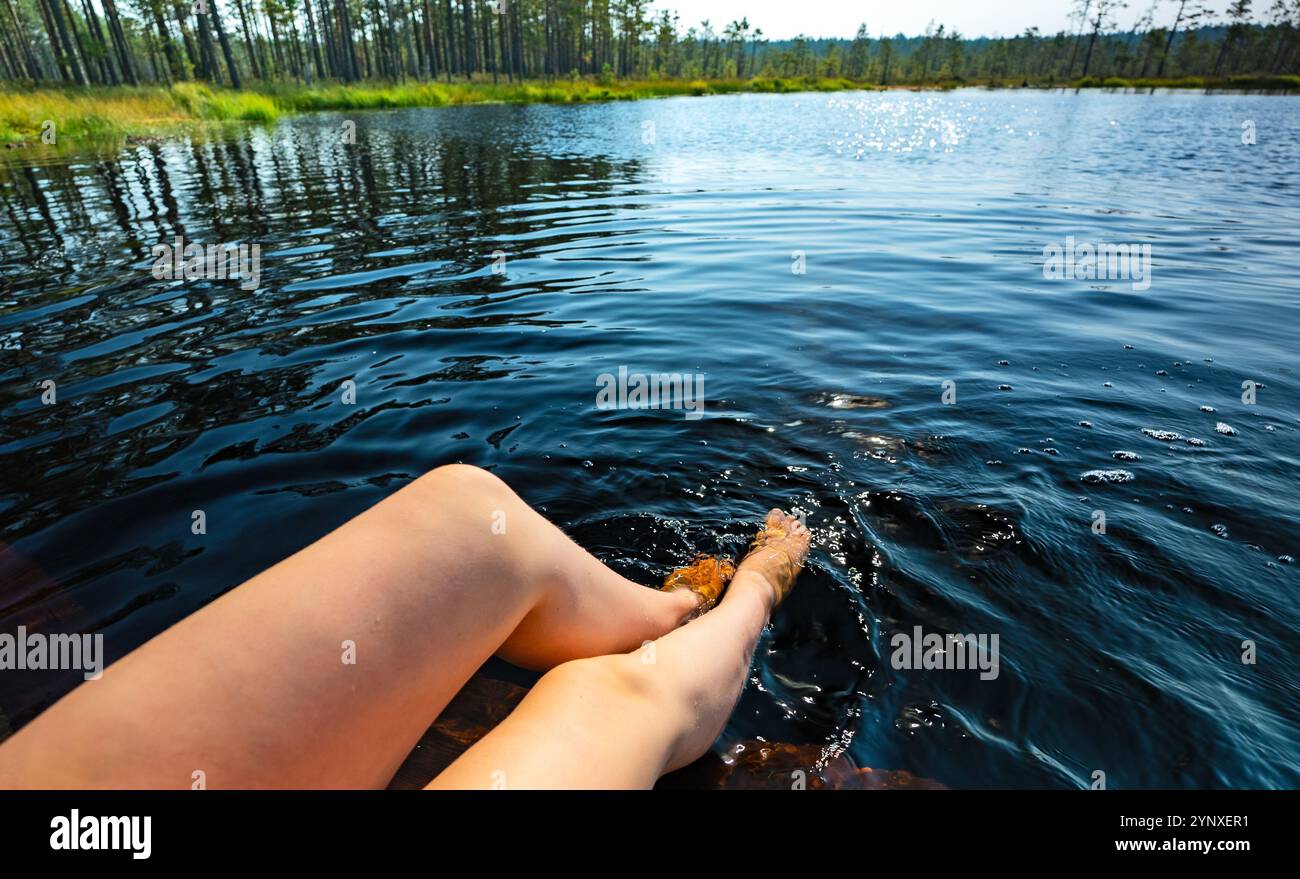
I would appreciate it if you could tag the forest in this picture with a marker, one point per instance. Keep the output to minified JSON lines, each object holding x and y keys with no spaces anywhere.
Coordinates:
{"x":246,"y":43}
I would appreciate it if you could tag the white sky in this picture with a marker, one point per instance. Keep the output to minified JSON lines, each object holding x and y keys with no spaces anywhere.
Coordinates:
{"x":781,"y":19}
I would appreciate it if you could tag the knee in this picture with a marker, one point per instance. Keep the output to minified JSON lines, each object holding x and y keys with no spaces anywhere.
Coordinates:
{"x":474,"y":509}
{"x":460,"y":483}
{"x":462,"y":476}
{"x":637,"y":694}
{"x":622,"y":682}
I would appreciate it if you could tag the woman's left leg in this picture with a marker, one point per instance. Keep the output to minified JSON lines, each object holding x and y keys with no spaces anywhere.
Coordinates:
{"x":325,"y":670}
{"x":623,"y":721}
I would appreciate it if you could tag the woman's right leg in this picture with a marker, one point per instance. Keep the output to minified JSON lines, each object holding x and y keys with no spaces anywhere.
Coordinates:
{"x":622,"y":721}
{"x":325,"y":670}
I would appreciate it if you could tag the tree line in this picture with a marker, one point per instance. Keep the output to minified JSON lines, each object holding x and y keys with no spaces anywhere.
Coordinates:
{"x":237,"y":42}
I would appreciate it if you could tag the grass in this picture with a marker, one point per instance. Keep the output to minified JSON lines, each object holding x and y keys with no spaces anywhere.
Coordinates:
{"x":115,"y":113}
{"x":211,"y":105}
{"x":107,"y":114}
{"x":85,"y":117}
{"x":575,"y":91}
{"x":83,"y":114}
{"x":1255,"y":83}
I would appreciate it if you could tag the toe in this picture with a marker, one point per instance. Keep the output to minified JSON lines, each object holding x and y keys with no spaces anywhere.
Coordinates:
{"x":774,"y":519}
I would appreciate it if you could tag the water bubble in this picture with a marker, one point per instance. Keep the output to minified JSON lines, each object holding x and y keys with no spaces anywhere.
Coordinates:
{"x":1103,"y":476}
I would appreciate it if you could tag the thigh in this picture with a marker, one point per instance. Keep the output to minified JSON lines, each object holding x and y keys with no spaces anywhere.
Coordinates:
{"x":322,"y":671}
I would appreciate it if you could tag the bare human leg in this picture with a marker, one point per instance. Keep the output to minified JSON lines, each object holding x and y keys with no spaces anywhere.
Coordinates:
{"x":623,"y":721}
{"x":254,"y":690}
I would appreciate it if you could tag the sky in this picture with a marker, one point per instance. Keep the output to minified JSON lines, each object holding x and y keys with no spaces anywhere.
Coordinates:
{"x":781,"y":19}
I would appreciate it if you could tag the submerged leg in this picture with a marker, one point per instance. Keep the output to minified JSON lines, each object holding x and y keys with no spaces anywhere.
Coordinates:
{"x":259,"y":688}
{"x":623,"y":721}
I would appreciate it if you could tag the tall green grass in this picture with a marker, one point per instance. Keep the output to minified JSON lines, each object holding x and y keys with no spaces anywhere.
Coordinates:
{"x":99,"y":113}
{"x":108,"y":113}
{"x":1253,"y":83}
{"x":80,"y":114}
{"x":220,"y":105}
{"x":572,"y":91}
{"x":93,"y":115}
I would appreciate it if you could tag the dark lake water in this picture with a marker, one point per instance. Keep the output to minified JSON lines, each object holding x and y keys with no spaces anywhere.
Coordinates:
{"x":666,"y":236}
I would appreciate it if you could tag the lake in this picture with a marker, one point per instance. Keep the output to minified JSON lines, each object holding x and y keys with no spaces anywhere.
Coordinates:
{"x":889,"y":303}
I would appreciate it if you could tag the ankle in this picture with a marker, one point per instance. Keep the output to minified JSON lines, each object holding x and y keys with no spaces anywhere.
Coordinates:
{"x":755,"y":584}
{"x":686,"y":604}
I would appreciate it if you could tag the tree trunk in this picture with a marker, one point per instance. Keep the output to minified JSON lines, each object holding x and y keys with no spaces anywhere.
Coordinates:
{"x":1173,"y":32}
{"x":96,"y":31}
{"x":87,"y":71}
{"x":430,"y":60}
{"x":29,"y":58}
{"x":225,"y":47}
{"x":503,"y":25}
{"x":76,"y":72}
{"x":187,"y":39}
{"x":277,"y":51}
{"x":9,"y":67}
{"x":471,"y":61}
{"x":207,"y":52}
{"x":120,"y":43}
{"x":174,"y":62}
{"x":349,"y":52}
{"x":453,"y":56}
{"x":249,"y":43}
{"x":1087,"y":59}
{"x":311,"y":38}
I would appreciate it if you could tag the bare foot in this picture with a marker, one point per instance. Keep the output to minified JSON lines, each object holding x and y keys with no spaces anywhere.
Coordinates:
{"x":706,"y":576}
{"x":776,"y":556}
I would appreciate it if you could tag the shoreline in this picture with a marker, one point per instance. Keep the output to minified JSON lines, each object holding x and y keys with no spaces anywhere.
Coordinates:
{"x":96,"y":117}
